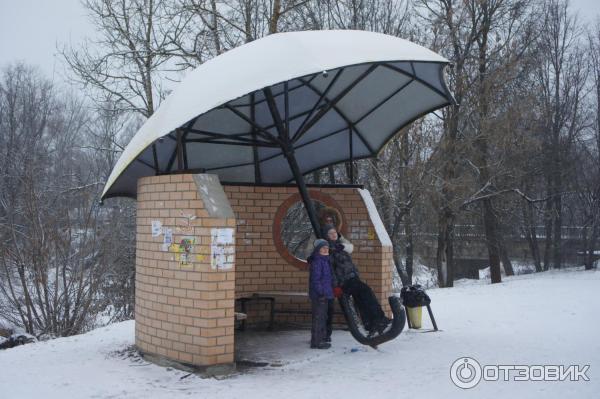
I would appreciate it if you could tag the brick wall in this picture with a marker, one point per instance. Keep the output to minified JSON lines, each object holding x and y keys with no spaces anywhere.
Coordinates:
{"x":184,"y":311}
{"x":260,"y":267}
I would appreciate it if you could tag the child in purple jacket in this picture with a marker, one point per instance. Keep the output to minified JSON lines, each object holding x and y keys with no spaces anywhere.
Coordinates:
{"x":320,"y":291}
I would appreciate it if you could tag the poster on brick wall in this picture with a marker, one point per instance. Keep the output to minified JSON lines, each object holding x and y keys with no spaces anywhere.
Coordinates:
{"x":167,"y":239}
{"x":183,"y":250}
{"x":156,"y":228}
{"x":222,"y":249}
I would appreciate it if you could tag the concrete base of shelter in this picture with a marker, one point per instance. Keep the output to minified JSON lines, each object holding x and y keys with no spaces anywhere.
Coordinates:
{"x":218,"y":370}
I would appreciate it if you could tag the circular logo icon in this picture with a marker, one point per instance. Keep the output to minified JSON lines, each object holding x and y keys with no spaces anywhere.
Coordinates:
{"x":465,"y":372}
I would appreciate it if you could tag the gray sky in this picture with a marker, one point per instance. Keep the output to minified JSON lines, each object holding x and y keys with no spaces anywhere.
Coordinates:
{"x":30,"y":29}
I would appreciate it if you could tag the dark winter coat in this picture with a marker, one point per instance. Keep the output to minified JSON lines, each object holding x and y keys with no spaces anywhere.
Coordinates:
{"x":320,"y":279}
{"x":341,"y":261}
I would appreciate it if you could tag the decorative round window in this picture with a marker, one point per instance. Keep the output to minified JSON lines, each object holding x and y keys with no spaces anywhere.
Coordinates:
{"x":292,"y":231}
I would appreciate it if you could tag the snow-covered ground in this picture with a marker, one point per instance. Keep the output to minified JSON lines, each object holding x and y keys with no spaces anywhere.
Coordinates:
{"x":548,"y":318}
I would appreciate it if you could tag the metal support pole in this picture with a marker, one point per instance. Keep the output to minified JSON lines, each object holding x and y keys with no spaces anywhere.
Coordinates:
{"x":435,"y":327}
{"x":351,"y":150}
{"x":155,"y":158}
{"x":179,"y":150}
{"x":310,"y":209}
{"x":257,"y":174}
{"x":288,"y":152}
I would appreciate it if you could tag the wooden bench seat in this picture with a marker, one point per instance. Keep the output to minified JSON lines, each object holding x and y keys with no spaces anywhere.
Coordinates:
{"x":270,"y":297}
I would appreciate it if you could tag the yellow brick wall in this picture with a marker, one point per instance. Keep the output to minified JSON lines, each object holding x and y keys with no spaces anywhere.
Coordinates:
{"x":261,"y":268}
{"x":184,"y":312}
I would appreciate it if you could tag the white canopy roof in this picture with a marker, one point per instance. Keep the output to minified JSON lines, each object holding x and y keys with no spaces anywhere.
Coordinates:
{"x":266,"y":62}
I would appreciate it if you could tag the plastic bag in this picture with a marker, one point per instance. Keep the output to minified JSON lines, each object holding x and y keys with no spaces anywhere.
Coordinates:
{"x":414,"y":296}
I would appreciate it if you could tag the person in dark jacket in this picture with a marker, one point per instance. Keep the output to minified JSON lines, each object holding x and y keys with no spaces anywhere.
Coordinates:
{"x":320,"y":291}
{"x":348,"y":278}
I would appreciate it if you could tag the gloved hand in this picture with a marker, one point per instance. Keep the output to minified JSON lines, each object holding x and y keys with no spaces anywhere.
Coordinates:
{"x":338,"y":292}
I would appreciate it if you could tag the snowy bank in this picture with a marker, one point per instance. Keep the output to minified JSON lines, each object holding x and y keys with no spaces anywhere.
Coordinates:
{"x":547,"y":318}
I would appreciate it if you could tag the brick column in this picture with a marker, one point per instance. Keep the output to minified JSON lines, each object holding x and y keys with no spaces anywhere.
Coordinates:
{"x":185,"y":275}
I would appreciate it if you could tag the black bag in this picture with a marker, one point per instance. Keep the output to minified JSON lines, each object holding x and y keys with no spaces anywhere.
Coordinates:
{"x":414,"y":296}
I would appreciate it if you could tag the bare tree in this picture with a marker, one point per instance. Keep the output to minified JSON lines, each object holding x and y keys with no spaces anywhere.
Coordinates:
{"x":491,"y":161}
{"x":561,"y":77}
{"x":498,"y":53}
{"x":213,"y":27}
{"x":133,"y":55}
{"x":589,"y":155}
{"x":455,"y":30}
{"x":48,"y":226}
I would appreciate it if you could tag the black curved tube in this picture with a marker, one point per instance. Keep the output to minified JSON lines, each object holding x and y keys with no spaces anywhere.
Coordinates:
{"x":397,"y":323}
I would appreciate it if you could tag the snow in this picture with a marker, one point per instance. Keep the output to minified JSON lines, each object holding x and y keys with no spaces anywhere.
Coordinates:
{"x":382,"y":234}
{"x":545,"y":318}
{"x":423,"y":275}
{"x":4,"y":324}
{"x":585,"y":252}
{"x":518,"y":268}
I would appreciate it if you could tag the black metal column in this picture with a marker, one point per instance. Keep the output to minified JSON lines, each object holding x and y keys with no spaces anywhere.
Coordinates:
{"x":257,"y":174}
{"x":179,"y":150}
{"x":308,"y":204}
{"x":287,"y":146}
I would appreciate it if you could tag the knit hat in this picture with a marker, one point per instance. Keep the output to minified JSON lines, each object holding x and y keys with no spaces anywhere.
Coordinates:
{"x":325,"y":229}
{"x":320,"y":243}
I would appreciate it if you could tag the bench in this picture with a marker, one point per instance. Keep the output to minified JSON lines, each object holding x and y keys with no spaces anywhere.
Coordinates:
{"x":270,"y":297}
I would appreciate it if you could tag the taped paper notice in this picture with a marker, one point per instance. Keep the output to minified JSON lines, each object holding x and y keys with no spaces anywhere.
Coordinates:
{"x":224,"y":236}
{"x":222,"y":249}
{"x":168,"y":238}
{"x":156,"y":228}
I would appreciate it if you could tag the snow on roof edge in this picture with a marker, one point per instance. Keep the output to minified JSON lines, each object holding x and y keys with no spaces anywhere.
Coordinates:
{"x":382,"y":233}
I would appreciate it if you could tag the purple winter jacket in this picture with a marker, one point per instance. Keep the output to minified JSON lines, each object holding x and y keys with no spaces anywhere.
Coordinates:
{"x":320,"y":280}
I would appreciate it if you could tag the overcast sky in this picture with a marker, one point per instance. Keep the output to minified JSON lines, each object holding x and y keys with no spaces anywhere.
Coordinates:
{"x":31,"y":29}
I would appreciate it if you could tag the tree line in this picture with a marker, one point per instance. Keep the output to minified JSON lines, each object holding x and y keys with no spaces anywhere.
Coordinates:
{"x":517,"y":155}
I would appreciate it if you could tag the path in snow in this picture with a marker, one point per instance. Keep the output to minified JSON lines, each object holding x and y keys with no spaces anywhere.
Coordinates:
{"x":548,"y":318}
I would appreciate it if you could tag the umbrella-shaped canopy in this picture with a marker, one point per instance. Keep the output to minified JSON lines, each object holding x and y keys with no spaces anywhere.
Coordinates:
{"x":282,"y":106}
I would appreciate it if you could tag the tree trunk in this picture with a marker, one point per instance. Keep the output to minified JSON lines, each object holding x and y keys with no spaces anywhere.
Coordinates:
{"x":406,"y":281}
{"x":590,"y":256}
{"x":557,"y":244}
{"x":351,"y":171}
{"x":531,"y":235}
{"x":406,"y":195}
{"x":548,"y":239}
{"x":275,"y":15}
{"x":214,"y":27}
{"x":382,"y":197}
{"x":491,"y":235}
{"x":316,"y":176}
{"x":409,"y":248}
{"x":445,"y":250}
{"x":508,"y":268}
{"x":331,"y":173}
